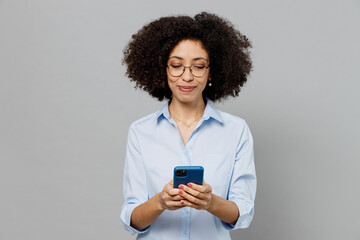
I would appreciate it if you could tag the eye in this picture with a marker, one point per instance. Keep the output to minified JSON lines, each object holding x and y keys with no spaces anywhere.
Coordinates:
{"x":176,"y":65}
{"x":199,"y":66}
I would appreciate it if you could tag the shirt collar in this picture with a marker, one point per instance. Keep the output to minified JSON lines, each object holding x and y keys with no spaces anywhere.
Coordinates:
{"x":210,"y":112}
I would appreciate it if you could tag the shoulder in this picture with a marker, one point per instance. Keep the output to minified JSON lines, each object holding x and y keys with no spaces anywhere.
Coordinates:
{"x":232,"y":120}
{"x":150,"y":121}
{"x":145,"y":122}
{"x":234,"y":125}
{"x":237,"y":127}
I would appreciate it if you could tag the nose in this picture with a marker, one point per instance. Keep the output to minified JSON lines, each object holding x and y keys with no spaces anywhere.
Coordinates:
{"x":187,"y":75}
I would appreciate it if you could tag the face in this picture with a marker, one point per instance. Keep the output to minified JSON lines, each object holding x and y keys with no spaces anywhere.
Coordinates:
{"x":187,"y":88}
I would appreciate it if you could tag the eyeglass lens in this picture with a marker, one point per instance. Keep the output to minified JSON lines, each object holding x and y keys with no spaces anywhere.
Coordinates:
{"x":198,"y":70}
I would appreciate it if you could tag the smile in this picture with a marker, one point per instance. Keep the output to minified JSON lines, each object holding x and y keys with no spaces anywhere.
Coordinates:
{"x":186,"y":89}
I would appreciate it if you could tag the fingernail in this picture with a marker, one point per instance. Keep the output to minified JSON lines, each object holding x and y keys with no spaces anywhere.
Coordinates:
{"x":182,"y":202}
{"x":189,"y":184}
{"x":181,"y":186}
{"x":180,"y":192}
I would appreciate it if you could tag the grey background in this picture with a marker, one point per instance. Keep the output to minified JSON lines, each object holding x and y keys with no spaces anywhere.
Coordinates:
{"x":66,"y":107}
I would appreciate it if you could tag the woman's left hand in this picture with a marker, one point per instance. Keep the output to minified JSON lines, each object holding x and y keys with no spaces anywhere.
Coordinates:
{"x":196,"y":196}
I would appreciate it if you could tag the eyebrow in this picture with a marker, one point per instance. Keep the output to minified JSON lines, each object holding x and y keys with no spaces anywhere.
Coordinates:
{"x":198,"y":58}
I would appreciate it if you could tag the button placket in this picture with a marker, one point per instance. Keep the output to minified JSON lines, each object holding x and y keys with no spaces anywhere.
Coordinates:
{"x":187,"y":218}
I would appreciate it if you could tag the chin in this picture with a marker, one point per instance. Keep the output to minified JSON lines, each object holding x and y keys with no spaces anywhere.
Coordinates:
{"x":187,"y":99}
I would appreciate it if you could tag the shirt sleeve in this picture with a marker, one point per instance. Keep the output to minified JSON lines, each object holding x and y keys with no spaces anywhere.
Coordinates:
{"x":134,"y":182}
{"x":242,"y":187}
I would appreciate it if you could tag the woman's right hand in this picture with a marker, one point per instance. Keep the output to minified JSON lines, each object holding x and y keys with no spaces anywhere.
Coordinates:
{"x":170,"y":197}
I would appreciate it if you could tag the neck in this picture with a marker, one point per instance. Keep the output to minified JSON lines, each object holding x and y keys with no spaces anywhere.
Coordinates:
{"x":187,"y":111}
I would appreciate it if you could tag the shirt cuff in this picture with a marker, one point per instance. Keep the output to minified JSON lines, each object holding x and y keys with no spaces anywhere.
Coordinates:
{"x":246,"y":214}
{"x":125,"y":217}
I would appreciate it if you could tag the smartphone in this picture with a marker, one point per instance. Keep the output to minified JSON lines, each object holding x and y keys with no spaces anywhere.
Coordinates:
{"x":186,"y":174}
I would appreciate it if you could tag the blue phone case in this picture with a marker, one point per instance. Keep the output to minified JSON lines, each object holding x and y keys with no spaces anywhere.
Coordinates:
{"x":194,"y":174}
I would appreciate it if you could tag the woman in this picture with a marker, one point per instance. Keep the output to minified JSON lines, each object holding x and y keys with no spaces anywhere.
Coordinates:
{"x":188,"y":61}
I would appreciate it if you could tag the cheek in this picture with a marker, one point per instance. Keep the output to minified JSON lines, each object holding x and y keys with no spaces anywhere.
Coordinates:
{"x":171,"y":82}
{"x":171,"y":79}
{"x":203,"y":84}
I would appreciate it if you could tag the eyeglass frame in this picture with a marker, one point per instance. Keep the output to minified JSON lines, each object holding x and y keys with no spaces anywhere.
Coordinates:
{"x":190,"y":67}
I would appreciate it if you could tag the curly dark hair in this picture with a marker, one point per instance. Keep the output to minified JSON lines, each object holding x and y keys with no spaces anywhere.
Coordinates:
{"x":147,"y":53}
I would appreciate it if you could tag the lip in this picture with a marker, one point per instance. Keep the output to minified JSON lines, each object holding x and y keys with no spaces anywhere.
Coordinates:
{"x":186,"y":88}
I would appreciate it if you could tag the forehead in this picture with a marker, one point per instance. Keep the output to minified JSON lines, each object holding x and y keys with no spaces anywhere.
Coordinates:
{"x":189,"y":49}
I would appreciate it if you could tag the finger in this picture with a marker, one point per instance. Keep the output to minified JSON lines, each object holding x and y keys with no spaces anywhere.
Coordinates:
{"x":176,"y":208}
{"x":195,"y":193}
{"x":193,"y":199}
{"x":176,"y":198}
{"x":173,"y":191}
{"x":172,"y":204}
{"x":206,"y":188}
{"x":190,"y":204}
{"x":167,"y":197}
{"x":169,"y":185}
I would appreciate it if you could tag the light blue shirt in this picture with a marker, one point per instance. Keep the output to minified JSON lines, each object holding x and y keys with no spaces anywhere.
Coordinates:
{"x":221,"y":143}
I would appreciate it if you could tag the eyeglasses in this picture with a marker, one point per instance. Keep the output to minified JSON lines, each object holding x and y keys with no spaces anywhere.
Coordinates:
{"x":197,"y":70}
